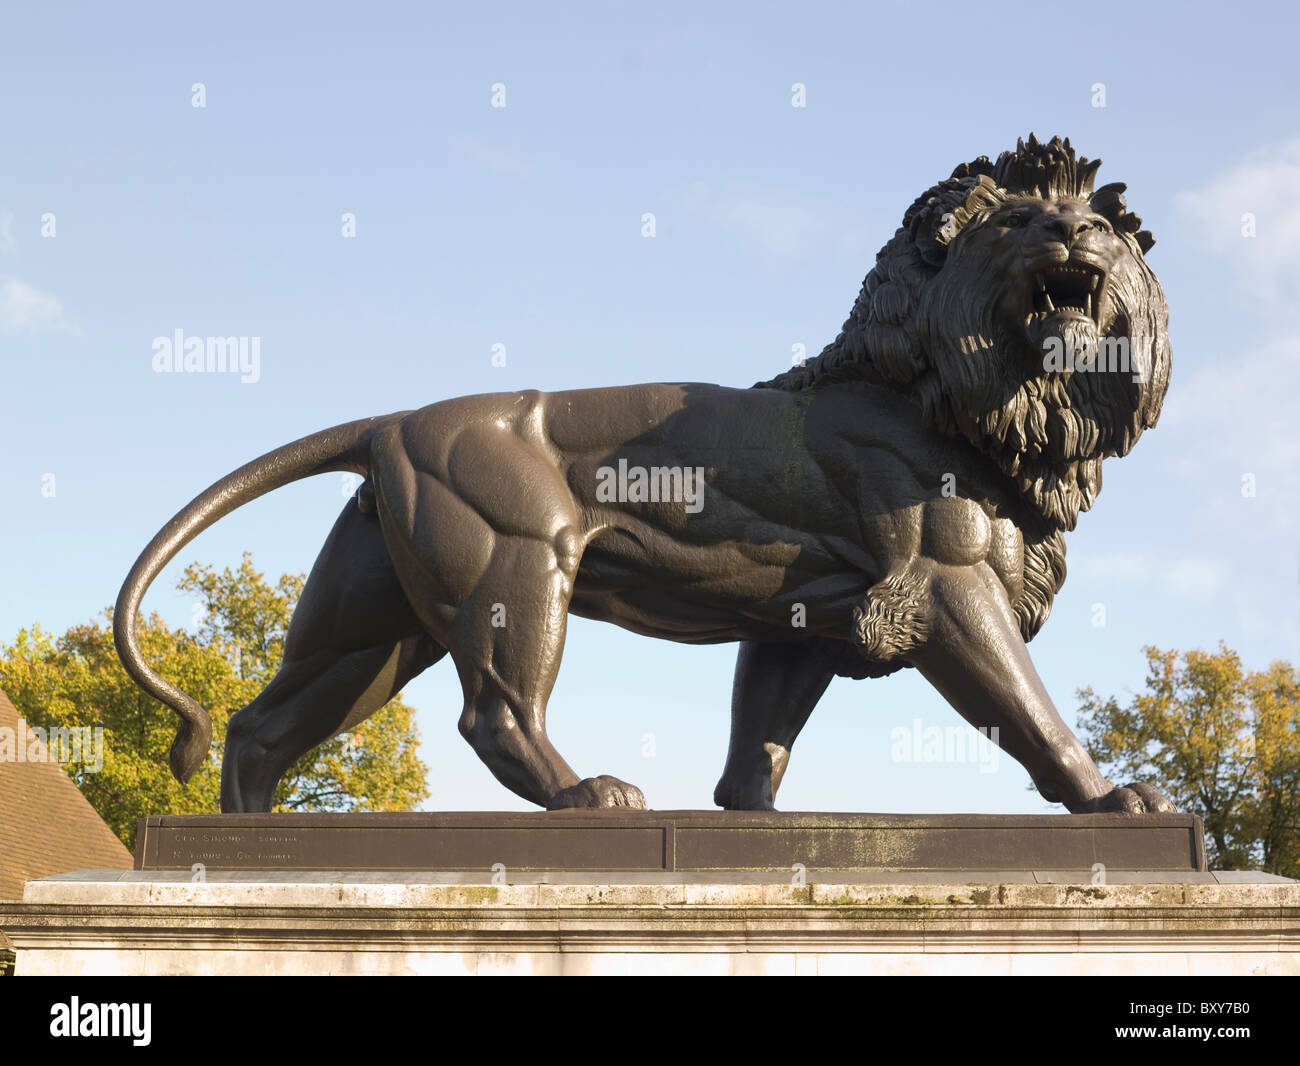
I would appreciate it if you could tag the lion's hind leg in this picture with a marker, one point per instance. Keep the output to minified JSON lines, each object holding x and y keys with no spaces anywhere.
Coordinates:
{"x":352,"y":645}
{"x":487,"y":549}
{"x":506,"y":641}
{"x":308,"y":701}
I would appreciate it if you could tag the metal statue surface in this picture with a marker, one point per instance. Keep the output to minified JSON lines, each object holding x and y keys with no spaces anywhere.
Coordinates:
{"x":900,"y":500}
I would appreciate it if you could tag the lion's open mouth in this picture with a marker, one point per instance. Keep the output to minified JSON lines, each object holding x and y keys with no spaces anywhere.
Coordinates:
{"x":1069,"y":288}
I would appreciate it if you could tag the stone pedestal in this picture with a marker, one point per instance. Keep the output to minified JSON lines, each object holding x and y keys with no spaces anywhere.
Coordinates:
{"x":656,"y":892}
{"x":1176,"y":923}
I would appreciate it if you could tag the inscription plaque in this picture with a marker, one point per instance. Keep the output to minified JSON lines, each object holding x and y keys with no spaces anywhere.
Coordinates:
{"x":687,"y":841}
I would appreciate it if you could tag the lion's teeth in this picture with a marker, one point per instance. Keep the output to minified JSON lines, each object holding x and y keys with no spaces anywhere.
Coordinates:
{"x":1047,"y":298}
{"x":1096,"y":280}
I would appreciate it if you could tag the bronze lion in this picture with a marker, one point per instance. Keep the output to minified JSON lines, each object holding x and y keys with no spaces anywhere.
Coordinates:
{"x":900,"y":500}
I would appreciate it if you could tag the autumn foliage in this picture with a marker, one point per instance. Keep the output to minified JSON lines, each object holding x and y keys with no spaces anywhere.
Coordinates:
{"x":240,"y":624}
{"x":1221,"y":741}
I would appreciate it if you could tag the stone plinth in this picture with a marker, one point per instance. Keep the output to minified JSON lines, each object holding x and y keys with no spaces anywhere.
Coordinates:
{"x":323,"y":922}
{"x":671,"y":841}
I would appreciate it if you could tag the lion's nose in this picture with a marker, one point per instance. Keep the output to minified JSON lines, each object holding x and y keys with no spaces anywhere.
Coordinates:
{"x":1065,"y":228}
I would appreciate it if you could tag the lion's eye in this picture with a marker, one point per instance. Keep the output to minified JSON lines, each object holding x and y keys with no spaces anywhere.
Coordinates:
{"x":1015,"y":218}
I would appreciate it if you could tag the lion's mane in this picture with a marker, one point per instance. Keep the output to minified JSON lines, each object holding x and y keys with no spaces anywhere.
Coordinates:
{"x":930,"y":332}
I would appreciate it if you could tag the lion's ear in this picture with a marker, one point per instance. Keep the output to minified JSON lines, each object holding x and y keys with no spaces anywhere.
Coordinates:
{"x":946,"y":211}
{"x":1109,"y":202}
{"x":932,"y":229}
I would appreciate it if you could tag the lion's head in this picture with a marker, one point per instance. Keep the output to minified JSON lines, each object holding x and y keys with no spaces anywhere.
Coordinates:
{"x":1016,"y":307}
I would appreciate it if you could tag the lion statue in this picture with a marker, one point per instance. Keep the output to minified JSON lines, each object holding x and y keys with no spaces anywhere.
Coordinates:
{"x":900,"y":500}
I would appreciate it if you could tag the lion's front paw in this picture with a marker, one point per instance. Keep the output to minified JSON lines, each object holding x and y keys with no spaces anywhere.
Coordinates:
{"x":1137,"y":798}
{"x":603,"y":791}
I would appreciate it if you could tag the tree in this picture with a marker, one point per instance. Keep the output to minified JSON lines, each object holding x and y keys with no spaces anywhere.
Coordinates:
{"x":77,"y":681}
{"x":1222,"y":742}
{"x":1275,"y":808}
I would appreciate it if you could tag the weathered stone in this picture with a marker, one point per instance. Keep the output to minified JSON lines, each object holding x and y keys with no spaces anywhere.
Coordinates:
{"x":109,"y":922}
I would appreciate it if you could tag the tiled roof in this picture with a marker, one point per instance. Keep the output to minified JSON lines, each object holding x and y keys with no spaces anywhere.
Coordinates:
{"x":46,"y":825}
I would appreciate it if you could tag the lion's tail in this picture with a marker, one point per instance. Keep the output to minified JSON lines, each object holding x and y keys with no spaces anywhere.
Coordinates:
{"x":342,"y":448}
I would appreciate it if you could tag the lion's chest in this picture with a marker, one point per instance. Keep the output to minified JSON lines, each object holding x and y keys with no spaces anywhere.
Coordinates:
{"x":954,"y":531}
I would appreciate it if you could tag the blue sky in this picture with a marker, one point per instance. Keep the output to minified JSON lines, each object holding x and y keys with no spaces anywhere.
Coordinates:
{"x":521,"y":226}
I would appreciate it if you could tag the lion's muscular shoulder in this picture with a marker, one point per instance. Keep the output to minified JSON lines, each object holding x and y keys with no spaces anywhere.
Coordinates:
{"x":927,"y":496}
